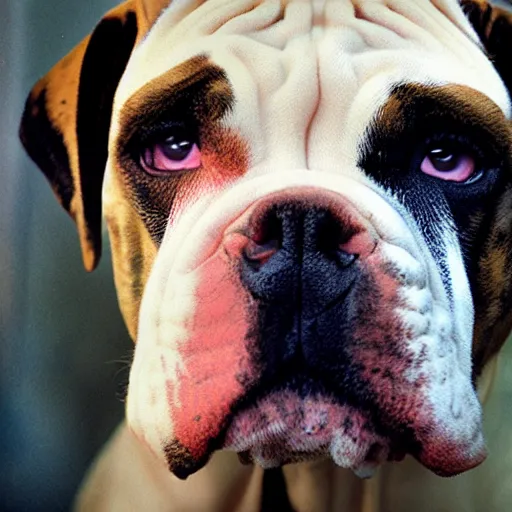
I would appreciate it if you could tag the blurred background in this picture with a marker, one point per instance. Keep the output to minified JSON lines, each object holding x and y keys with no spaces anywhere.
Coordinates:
{"x":62,"y":340}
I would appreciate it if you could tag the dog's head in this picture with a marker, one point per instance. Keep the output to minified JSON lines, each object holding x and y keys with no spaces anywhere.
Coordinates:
{"x":309,"y":206}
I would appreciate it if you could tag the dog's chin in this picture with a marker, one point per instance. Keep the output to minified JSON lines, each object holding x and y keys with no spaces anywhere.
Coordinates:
{"x":284,"y":427}
{"x":287,"y":426}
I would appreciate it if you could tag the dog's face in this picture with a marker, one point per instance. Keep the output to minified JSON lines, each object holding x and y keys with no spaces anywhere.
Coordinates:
{"x":309,"y":207}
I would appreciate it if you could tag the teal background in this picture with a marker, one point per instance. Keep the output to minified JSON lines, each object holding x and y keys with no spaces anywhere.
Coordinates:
{"x":63,"y":346}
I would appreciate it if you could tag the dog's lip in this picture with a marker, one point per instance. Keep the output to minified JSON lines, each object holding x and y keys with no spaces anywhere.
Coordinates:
{"x":286,"y":435}
{"x":263,"y":430}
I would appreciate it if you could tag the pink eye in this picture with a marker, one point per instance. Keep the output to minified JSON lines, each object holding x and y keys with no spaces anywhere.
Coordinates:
{"x":449,"y":164}
{"x":176,"y":153}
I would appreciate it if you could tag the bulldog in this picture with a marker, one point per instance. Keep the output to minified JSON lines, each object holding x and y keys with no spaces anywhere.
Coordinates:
{"x":309,"y":206}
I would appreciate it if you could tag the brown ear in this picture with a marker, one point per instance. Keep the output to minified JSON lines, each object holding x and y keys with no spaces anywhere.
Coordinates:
{"x":152,"y":10}
{"x":493,"y":26}
{"x":66,"y":121}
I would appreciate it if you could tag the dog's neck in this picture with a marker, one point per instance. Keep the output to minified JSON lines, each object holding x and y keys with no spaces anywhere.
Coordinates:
{"x":224,"y":484}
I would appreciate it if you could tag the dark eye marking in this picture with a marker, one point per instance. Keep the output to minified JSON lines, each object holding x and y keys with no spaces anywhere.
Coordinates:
{"x":450,"y":135}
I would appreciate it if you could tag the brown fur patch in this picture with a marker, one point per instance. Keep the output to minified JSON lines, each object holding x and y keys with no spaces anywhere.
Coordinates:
{"x":194,"y":92}
{"x":493,"y":301}
{"x":133,"y":253}
{"x":456,"y":103}
{"x":151,"y":10}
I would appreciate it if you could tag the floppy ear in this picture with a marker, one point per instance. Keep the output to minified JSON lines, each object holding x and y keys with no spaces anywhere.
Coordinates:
{"x":493,"y":26}
{"x":66,"y":121}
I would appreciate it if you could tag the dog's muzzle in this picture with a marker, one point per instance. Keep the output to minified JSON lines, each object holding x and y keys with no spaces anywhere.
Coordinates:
{"x":307,"y":330}
{"x":298,"y":262}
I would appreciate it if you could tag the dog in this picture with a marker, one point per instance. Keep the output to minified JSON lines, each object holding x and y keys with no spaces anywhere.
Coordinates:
{"x":309,"y":205}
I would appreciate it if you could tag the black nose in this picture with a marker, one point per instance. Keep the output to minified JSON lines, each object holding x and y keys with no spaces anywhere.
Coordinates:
{"x":295,"y":253}
{"x":296,"y":269}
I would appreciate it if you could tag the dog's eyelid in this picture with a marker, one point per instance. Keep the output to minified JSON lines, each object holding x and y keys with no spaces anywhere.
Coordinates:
{"x":167,"y":130}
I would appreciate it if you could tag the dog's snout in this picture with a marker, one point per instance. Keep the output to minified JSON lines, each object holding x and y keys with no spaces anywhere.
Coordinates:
{"x":300,"y":258}
{"x":298,"y":232}
{"x":296,"y":250}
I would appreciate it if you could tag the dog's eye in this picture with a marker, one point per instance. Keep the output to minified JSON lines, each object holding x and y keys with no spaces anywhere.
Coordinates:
{"x":449,"y":163}
{"x":177,"y":152}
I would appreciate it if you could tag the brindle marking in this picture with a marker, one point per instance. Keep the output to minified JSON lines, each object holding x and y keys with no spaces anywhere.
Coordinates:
{"x":481,"y":210}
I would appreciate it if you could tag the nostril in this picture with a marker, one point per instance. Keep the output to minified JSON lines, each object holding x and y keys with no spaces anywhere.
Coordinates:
{"x":258,"y":254}
{"x":265,"y":239}
{"x":267,"y":228}
{"x":344,"y":259}
{"x":331,"y":237}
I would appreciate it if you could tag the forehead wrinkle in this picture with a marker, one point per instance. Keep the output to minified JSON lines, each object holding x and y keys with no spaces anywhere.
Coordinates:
{"x":351,"y":78}
{"x":277,"y":102}
{"x":361,"y":25}
{"x":271,"y":19}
